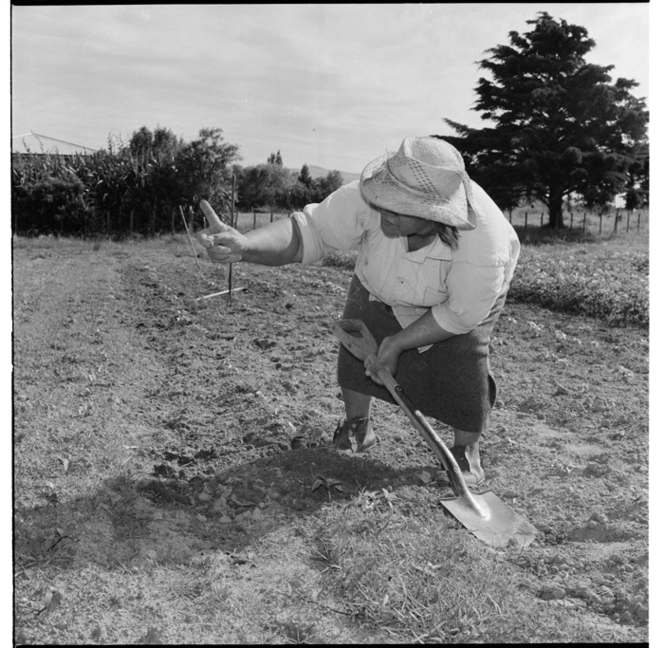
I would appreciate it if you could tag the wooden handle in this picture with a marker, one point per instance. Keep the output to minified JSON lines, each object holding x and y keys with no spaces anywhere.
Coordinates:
{"x":430,"y":436}
{"x":361,"y":346}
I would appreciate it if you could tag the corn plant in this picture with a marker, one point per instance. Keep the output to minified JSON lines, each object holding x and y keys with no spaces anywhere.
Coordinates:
{"x":119,"y":192}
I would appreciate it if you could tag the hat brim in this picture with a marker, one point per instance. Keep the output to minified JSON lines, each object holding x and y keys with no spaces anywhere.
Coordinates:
{"x":379,"y":188}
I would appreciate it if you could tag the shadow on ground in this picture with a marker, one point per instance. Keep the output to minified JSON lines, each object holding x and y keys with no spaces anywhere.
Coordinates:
{"x":127,"y":523}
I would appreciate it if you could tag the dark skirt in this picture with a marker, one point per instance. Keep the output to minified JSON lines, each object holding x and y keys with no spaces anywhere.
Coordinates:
{"x":450,"y":382}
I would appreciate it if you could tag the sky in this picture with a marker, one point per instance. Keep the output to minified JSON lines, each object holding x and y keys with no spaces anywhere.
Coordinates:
{"x":327,"y":85}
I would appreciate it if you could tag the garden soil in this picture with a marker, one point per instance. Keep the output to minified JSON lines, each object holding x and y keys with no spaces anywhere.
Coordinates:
{"x":196,"y":403}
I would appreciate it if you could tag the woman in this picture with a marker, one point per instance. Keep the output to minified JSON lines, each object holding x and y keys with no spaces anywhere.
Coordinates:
{"x":435,"y":259}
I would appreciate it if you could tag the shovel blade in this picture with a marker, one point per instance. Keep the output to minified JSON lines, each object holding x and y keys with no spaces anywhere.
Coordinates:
{"x":491,"y":520}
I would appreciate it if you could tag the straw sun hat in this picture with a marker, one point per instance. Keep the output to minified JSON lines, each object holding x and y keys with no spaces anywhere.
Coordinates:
{"x":426,"y":177}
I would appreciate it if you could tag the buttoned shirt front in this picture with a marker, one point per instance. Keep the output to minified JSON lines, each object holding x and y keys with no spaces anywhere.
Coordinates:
{"x":459,"y":286}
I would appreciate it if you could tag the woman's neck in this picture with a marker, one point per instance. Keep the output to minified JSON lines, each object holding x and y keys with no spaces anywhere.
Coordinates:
{"x":418,"y":241}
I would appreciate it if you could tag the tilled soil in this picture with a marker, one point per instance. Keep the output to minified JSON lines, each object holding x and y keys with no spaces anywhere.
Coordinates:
{"x":212,"y":393}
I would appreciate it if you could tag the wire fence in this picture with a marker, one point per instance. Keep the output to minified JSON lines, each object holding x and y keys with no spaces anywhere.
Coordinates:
{"x":251,"y":220}
{"x":618,"y":221}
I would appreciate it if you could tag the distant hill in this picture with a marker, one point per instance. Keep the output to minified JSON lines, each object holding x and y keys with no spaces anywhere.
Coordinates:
{"x":320,"y":172}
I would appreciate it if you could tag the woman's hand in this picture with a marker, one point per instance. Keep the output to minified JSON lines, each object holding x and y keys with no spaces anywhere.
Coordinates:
{"x":386,"y":358}
{"x":223,"y":243}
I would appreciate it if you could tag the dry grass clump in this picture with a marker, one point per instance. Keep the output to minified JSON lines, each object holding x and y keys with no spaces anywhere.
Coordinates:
{"x":430,"y":581}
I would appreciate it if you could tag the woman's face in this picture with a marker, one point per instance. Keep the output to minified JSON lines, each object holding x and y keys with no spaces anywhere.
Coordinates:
{"x":394,"y":225}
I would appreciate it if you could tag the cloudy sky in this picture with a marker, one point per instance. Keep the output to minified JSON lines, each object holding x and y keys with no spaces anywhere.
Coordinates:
{"x":328,"y":85}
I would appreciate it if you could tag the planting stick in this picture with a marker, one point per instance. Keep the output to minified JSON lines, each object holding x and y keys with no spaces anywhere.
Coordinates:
{"x":223,"y":292}
{"x":230,"y":265}
{"x":191,"y":242}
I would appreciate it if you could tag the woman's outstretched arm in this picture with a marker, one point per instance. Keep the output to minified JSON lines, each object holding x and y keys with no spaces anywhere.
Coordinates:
{"x":276,"y":244}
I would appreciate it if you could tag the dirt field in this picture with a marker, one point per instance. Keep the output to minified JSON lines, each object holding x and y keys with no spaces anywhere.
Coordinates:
{"x":156,"y":491}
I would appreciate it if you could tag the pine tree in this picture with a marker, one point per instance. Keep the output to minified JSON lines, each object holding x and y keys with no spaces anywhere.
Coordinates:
{"x":561,"y":125}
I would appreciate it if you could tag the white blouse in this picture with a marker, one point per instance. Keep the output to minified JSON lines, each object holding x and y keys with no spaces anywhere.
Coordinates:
{"x":459,"y":286}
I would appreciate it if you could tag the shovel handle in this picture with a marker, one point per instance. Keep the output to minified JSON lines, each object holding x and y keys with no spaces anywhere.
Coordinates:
{"x":364,"y":346}
{"x":430,"y":436}
{"x":361,"y":346}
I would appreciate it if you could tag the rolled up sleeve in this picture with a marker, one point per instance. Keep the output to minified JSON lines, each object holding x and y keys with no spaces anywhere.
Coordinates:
{"x":472,"y":291}
{"x":337,"y":223}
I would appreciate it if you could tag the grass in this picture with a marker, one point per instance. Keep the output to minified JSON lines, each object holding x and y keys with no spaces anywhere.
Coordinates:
{"x":419,"y":579}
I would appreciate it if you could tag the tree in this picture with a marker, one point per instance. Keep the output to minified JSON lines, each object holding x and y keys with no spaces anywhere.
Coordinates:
{"x":305,"y":176}
{"x":140,"y":144}
{"x":323,"y":187}
{"x":165,"y":144}
{"x":638,"y":184}
{"x":162,"y":144}
{"x":205,"y":167}
{"x":275,"y":159}
{"x":294,"y":197}
{"x":561,"y":126}
{"x":260,"y":186}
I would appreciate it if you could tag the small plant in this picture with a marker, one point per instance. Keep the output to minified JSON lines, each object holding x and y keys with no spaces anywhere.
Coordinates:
{"x":328,"y":483}
{"x":297,"y":631}
{"x":367,"y":500}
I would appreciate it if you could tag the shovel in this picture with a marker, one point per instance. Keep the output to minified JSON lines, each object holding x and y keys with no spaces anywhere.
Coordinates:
{"x":484,"y":515}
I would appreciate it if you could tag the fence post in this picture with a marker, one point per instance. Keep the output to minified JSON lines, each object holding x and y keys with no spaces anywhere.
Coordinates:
{"x":254,"y":219}
{"x":638,"y":221}
{"x":615,"y":222}
{"x":629,"y":213}
{"x":600,"y":222}
{"x":571,"y":220}
{"x":271,"y":217}
{"x":542,"y":219}
{"x":584,"y":221}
